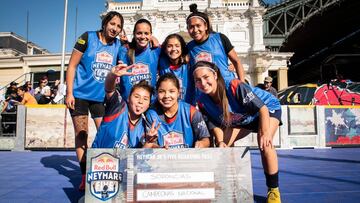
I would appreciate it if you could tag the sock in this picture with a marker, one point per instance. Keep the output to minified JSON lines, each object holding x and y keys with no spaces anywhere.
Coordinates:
{"x":272,"y":181}
{"x":82,"y":167}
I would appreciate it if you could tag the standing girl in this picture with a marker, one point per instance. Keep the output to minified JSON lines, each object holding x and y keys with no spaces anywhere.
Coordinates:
{"x":211,"y":46}
{"x":123,"y":126}
{"x":93,"y":57}
{"x":179,"y":125}
{"x":142,"y":54}
{"x":240,"y":106}
{"x":173,"y":59}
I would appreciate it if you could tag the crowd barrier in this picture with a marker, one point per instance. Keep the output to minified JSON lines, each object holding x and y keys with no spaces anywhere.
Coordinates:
{"x":50,"y":127}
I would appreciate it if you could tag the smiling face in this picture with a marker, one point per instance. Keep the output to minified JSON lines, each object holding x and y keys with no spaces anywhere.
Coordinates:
{"x":205,"y":80}
{"x":142,"y":35}
{"x":168,"y":94}
{"x":139,"y":101}
{"x":198,"y":29}
{"x":113,"y":28}
{"x":173,"y":49}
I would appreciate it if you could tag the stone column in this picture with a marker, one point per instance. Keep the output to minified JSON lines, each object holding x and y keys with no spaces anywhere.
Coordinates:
{"x":282,"y":78}
{"x":215,"y":3}
{"x":148,"y":5}
{"x":257,"y":32}
{"x":258,"y":75}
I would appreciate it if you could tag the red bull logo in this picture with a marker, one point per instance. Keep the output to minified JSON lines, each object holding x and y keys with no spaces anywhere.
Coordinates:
{"x":140,"y":68}
{"x":104,"y":57}
{"x":173,"y":138}
{"x":203,"y":56}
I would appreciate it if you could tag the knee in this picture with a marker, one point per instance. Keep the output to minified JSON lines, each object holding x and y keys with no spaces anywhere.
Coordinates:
{"x":82,"y":136}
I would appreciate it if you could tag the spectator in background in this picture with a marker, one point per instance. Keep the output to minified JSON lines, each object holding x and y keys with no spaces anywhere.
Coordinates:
{"x":3,"y":104}
{"x":12,"y":100}
{"x":27,"y":98}
{"x":29,"y":88}
{"x":11,"y":88}
{"x":267,"y":86}
{"x":43,"y":92}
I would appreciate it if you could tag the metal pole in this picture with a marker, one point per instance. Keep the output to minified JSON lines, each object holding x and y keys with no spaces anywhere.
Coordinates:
{"x":63,"y":45}
{"x":27,"y":32}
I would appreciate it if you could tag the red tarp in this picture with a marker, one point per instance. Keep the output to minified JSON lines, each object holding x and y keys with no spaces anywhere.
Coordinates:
{"x":328,"y":94}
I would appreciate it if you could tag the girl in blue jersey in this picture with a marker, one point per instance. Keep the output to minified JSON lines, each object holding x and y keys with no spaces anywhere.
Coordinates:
{"x":180,"y":125}
{"x":94,"y":54}
{"x":123,"y":126}
{"x":238,"y":105}
{"x":142,"y":54}
{"x":211,"y":46}
{"x":173,"y":59}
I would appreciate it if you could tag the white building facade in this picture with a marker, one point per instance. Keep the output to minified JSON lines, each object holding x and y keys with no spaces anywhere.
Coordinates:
{"x":240,"y":20}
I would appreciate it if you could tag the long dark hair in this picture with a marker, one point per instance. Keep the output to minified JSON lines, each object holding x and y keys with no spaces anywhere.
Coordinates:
{"x":184,"y":50}
{"x":108,"y":17}
{"x":195,"y":13}
{"x":132,"y":45}
{"x":220,"y":90}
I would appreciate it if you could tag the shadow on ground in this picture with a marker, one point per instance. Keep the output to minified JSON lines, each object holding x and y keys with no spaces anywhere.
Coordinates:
{"x":67,"y":166}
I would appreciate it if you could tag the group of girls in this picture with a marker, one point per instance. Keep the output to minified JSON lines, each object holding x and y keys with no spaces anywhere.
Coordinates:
{"x":184,"y":75}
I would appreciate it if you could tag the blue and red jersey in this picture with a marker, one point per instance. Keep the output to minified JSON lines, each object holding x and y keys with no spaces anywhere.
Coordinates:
{"x":180,"y":131}
{"x":244,"y":104}
{"x":96,"y":62}
{"x":116,"y":131}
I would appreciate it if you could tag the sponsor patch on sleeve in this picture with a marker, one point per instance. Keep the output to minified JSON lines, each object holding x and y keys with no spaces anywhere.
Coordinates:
{"x":81,"y":41}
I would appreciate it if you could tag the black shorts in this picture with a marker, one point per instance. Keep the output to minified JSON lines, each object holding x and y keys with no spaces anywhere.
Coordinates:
{"x":253,"y":126}
{"x":82,"y":108}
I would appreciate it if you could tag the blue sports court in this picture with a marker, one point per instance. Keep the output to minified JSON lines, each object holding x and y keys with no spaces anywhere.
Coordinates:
{"x":306,"y":175}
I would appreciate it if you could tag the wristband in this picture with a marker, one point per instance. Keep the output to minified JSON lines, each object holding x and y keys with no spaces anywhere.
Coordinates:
{"x":220,"y":142}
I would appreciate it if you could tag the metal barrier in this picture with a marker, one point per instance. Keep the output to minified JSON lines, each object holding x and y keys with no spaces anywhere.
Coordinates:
{"x":8,"y":124}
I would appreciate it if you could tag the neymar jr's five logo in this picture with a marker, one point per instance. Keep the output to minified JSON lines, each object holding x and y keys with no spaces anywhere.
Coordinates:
{"x":102,"y":65}
{"x":104,"y":177}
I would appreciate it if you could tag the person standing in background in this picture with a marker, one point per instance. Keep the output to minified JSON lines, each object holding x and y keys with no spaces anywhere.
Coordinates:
{"x":267,"y":86}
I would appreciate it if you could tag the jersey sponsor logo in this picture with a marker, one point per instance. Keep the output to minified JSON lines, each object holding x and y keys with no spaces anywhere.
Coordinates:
{"x":201,"y":125}
{"x":81,"y":41}
{"x":123,"y":143}
{"x":249,"y":97}
{"x":102,"y":65}
{"x":104,"y":57}
{"x":104,"y":176}
{"x":140,"y":68}
{"x":174,"y":140}
{"x":203,"y":56}
{"x":271,"y":111}
{"x":141,"y":72}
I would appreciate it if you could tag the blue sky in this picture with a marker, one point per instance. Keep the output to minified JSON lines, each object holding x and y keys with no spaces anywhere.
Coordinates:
{"x":46,"y":20}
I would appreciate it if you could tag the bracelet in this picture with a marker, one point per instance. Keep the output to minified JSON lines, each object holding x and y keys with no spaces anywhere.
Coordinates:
{"x":221,"y":142}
